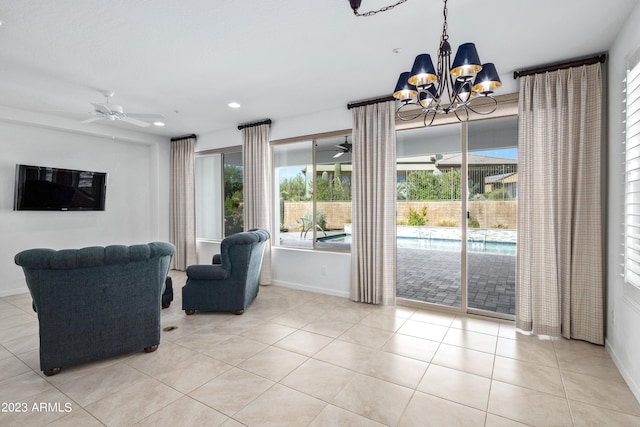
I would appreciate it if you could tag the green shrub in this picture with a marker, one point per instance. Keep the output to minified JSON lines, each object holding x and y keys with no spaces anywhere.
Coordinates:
{"x":321,"y":218}
{"x":500,"y":225}
{"x":417,"y":217}
{"x":447,"y":223}
{"x":473,"y":222}
{"x":499,"y":194}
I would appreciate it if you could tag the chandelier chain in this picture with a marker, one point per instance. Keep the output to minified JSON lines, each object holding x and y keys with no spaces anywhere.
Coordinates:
{"x":382,"y":9}
{"x":445,"y":36}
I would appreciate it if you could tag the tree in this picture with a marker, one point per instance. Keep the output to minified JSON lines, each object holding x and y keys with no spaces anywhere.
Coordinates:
{"x":293,"y":189}
{"x":233,"y":195}
{"x":422,"y":185}
{"x":425,"y":185}
{"x":333,"y":188}
{"x":232,"y":179}
{"x":450,"y":185}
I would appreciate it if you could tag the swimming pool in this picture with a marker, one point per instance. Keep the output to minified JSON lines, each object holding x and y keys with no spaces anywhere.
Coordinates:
{"x":501,"y":248}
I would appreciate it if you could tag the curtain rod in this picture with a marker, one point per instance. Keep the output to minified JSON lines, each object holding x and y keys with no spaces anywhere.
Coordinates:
{"x":252,"y":124}
{"x":561,"y":66}
{"x":178,"y":138}
{"x":371,"y":101}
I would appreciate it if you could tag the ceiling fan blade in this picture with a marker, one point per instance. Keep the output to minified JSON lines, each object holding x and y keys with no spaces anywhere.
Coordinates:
{"x":335,"y":156}
{"x":342,"y":147}
{"x":147,"y":116}
{"x":92,"y":119}
{"x":136,"y":122}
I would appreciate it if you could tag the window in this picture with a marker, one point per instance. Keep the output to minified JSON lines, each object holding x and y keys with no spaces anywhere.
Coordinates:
{"x":232,"y":179}
{"x":219,"y":187}
{"x":313,"y":193}
{"x":632,"y":175}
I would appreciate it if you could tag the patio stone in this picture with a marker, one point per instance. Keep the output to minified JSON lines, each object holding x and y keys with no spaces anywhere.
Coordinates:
{"x":434,"y":276}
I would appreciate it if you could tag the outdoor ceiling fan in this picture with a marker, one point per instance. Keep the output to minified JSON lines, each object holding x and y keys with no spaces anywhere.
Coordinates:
{"x":109,"y":111}
{"x":345,"y":147}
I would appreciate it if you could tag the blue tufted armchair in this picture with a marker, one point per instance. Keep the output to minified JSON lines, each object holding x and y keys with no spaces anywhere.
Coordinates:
{"x":96,"y":302}
{"x":232,"y":281}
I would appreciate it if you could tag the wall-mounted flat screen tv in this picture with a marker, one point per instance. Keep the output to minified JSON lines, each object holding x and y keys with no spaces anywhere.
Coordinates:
{"x":41,"y":188}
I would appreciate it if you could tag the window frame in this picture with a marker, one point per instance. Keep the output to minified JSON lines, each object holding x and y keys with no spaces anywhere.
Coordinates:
{"x":312,"y":139}
{"x":631,"y":163}
{"x":220,"y":188}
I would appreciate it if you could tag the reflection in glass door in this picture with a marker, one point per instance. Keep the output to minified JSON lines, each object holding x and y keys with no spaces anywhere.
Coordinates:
{"x":429,"y":216}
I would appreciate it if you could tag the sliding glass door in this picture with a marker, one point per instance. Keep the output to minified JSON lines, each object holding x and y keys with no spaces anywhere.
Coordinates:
{"x":458,"y":183}
{"x":429,"y":216}
{"x":492,"y":175}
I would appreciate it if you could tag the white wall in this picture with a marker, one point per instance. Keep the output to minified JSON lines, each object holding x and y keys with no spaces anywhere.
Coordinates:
{"x":316,"y":271}
{"x":623,"y":315}
{"x":137,"y":199}
{"x":319,"y":122}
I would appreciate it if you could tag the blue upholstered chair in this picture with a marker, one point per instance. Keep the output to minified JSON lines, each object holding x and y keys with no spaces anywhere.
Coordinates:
{"x":232,"y":281}
{"x":96,"y":302}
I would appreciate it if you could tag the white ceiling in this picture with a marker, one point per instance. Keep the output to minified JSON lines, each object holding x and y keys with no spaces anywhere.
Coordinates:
{"x":188,"y":59}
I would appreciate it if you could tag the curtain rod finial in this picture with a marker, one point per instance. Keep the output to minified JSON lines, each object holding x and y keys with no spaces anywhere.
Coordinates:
{"x":252,"y":124}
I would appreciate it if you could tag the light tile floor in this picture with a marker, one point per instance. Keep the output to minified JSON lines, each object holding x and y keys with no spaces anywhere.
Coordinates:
{"x":303,"y":359}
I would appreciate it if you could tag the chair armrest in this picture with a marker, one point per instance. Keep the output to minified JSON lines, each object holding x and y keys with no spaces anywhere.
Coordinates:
{"x":216,"y":259}
{"x":207,"y":272}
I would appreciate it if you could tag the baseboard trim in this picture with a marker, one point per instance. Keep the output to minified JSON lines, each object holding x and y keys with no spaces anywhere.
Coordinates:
{"x":633,"y":386}
{"x":15,"y":291}
{"x":308,"y":288}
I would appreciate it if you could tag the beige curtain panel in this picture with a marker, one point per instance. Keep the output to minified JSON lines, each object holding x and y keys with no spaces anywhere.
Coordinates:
{"x":182,"y":217}
{"x":560,"y":287}
{"x":258,"y":191}
{"x":373,"y":186}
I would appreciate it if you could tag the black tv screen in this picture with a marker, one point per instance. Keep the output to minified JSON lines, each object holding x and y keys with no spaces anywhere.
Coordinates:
{"x":41,"y":188}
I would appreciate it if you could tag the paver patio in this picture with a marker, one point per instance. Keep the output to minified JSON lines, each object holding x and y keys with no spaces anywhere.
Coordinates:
{"x":434,"y":276}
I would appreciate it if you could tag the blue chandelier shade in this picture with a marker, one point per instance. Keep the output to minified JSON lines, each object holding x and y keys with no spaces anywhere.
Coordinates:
{"x":467,"y":62}
{"x":404,"y":90}
{"x":487,"y":80}
{"x":422,"y":73}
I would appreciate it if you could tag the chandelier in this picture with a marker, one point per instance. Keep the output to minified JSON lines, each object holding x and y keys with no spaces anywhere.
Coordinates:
{"x":465,"y":86}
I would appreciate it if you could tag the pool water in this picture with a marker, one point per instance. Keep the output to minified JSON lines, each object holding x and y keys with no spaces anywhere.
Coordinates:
{"x":502,"y":248}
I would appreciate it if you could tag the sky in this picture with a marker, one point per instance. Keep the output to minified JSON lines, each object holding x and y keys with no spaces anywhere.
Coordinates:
{"x":506,"y":153}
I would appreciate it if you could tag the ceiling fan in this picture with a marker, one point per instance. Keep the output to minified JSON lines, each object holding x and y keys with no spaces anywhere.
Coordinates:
{"x":345,"y":147}
{"x":109,"y":111}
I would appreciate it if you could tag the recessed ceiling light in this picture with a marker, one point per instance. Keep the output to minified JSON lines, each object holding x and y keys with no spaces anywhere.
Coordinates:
{"x":233,"y":105}
{"x":160,"y":124}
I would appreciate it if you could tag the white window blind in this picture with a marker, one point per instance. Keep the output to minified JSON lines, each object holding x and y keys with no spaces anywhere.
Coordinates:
{"x":632,"y":174}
